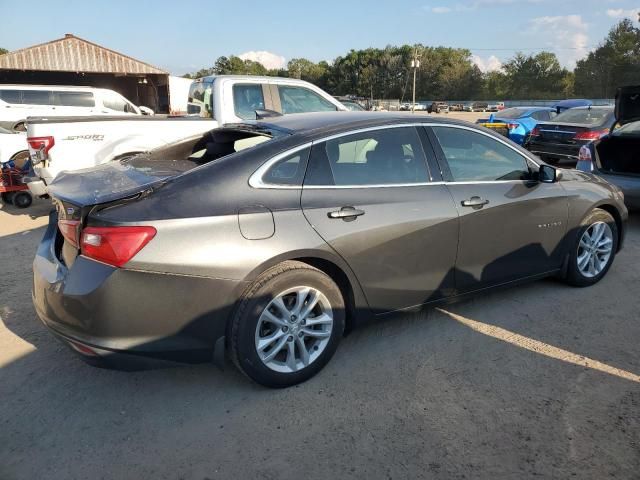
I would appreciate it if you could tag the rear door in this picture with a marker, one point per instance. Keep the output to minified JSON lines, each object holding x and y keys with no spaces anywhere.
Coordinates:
{"x":511,"y":225}
{"x":370,"y":196}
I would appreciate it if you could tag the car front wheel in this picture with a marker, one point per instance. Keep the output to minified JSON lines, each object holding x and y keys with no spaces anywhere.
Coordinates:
{"x":288,"y":325}
{"x":594,"y":249}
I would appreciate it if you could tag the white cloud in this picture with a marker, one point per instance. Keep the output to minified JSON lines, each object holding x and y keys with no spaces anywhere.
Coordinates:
{"x":267,"y":59}
{"x":567,"y":35}
{"x":622,"y":13}
{"x":490,"y":64}
{"x":440,"y":9}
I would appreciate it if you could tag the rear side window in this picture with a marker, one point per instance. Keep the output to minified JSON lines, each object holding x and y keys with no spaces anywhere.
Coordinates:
{"x":472,"y":156}
{"x":289,"y":170}
{"x":74,"y":99}
{"x":11,"y":96}
{"x":36,"y":97}
{"x":300,"y":100}
{"x":247,"y":99}
{"x":379,"y":157}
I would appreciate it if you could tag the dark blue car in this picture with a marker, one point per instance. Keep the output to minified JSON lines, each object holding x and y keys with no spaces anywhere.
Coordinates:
{"x":517,"y":122}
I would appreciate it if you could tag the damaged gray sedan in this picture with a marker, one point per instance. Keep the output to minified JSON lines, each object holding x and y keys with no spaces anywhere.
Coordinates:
{"x":269,"y":239}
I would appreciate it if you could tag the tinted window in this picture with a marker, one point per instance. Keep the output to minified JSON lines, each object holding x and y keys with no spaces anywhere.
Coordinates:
{"x":473,"y":156}
{"x":289,"y":170}
{"x":379,"y":157}
{"x":247,"y":99}
{"x":299,"y":100}
{"x":511,"y":113}
{"x":36,"y":97}
{"x":542,"y":115}
{"x":200,"y":100}
{"x":74,"y":99}
{"x":11,"y":96}
{"x":586,"y":116}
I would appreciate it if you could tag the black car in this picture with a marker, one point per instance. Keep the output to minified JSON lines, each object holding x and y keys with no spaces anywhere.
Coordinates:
{"x":616,"y":156}
{"x":267,"y":239}
{"x":558,"y":142}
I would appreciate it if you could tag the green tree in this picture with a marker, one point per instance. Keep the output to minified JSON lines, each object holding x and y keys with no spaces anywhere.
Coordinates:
{"x":535,"y":76}
{"x":615,"y":62}
{"x":3,"y":51}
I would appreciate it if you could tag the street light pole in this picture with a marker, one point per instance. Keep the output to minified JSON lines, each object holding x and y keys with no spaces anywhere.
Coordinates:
{"x":415,"y":64}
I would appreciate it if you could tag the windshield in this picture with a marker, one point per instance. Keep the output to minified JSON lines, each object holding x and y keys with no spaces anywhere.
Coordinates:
{"x":586,"y":116}
{"x":511,"y":113}
{"x":630,"y":129}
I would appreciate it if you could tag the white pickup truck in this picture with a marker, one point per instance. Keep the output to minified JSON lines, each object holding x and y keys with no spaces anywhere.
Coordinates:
{"x":59,"y":144}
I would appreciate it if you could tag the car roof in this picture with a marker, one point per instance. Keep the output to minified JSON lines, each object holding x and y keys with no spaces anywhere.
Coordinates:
{"x":251,"y":79}
{"x":48,"y":87}
{"x":592,"y":107}
{"x":320,"y":123}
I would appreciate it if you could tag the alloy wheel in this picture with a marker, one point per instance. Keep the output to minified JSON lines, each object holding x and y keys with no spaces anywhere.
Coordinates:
{"x":294,"y":329}
{"x":594,"y":249}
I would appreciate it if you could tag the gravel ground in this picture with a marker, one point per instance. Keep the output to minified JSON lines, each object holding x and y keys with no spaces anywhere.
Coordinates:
{"x":449,"y":394}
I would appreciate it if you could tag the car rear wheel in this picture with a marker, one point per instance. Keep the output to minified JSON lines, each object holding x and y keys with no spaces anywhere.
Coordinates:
{"x":594,"y":250}
{"x":288,"y":325}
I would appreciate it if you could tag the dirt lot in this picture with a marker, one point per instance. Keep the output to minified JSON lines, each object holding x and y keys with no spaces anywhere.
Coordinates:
{"x":539,"y":380}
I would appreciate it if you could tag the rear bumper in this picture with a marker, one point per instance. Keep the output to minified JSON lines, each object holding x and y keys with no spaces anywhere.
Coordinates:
{"x":130,"y":319}
{"x":556,"y":153}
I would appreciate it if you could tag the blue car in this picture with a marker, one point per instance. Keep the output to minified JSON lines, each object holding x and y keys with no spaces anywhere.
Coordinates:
{"x":517,"y":122}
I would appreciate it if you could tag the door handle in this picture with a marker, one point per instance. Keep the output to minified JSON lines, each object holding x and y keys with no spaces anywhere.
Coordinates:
{"x":475,"y":202}
{"x":348,"y":214}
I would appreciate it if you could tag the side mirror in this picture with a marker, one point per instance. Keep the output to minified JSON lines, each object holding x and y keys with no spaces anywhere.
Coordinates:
{"x":547,"y":174}
{"x":146,"y":110}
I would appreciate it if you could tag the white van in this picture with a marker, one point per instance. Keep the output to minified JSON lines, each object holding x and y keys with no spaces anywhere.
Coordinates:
{"x":17,"y":102}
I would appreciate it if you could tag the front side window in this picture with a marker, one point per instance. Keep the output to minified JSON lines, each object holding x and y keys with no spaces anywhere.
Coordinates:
{"x":379,"y":157}
{"x":247,"y":99}
{"x":472,"y":156}
{"x":289,"y":170}
{"x":11,"y":96}
{"x":300,"y":100}
{"x":36,"y":97}
{"x":74,"y":99}
{"x":114,"y":102}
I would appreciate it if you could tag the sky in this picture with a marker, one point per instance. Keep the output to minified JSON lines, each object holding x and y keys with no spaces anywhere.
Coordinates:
{"x":184,"y":36}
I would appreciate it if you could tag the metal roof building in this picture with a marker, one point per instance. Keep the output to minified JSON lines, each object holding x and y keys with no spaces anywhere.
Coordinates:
{"x":74,"y":61}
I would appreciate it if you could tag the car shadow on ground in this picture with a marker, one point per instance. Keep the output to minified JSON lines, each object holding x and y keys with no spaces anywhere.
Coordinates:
{"x":407,"y":395}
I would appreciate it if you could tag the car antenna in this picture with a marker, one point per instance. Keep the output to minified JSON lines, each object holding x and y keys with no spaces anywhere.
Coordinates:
{"x":260,"y":114}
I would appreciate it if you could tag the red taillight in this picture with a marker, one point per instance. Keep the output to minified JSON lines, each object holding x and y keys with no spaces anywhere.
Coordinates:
{"x":69,"y":230}
{"x":590,"y":135}
{"x":535,"y":132}
{"x":43,"y":144}
{"x":513,"y":126}
{"x":115,"y":245}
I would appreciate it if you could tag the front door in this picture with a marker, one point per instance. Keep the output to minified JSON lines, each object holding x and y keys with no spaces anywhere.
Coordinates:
{"x":369,"y":195}
{"x":511,"y":225}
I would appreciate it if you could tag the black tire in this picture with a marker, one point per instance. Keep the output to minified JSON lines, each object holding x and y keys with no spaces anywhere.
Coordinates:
{"x":7,"y":198}
{"x":22,"y":200}
{"x":574,"y":276}
{"x":266,"y":287}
